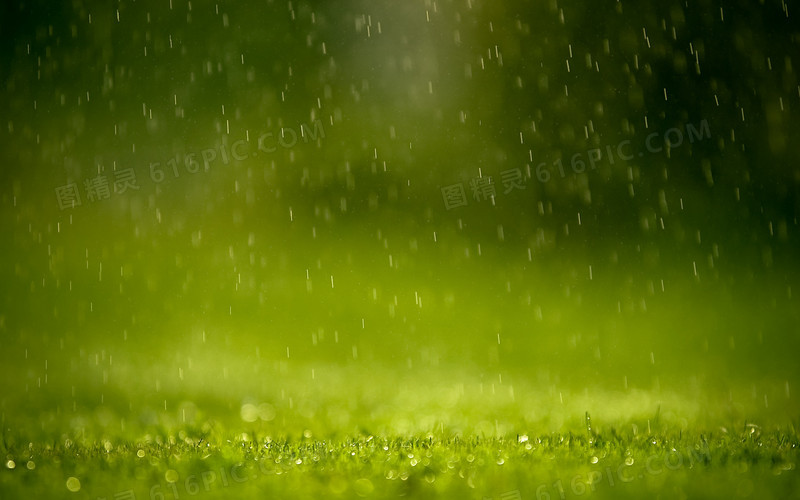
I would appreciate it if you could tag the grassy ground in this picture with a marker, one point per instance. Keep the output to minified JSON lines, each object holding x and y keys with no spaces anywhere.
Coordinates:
{"x":628,"y":460}
{"x":616,"y":464}
{"x":439,"y":434}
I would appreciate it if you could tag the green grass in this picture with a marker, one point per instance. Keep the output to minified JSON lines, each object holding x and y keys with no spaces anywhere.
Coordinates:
{"x":440,"y":433}
{"x":611,"y":462}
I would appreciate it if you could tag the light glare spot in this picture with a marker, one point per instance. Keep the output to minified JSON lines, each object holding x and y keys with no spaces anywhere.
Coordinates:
{"x":73,"y":484}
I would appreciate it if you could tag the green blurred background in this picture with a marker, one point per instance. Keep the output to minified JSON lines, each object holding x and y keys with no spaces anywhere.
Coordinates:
{"x":322,"y":284}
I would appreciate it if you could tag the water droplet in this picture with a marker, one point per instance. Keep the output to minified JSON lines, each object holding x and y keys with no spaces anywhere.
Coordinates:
{"x":249,"y":412}
{"x":73,"y":484}
{"x":363,"y":487}
{"x":171,"y":476}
